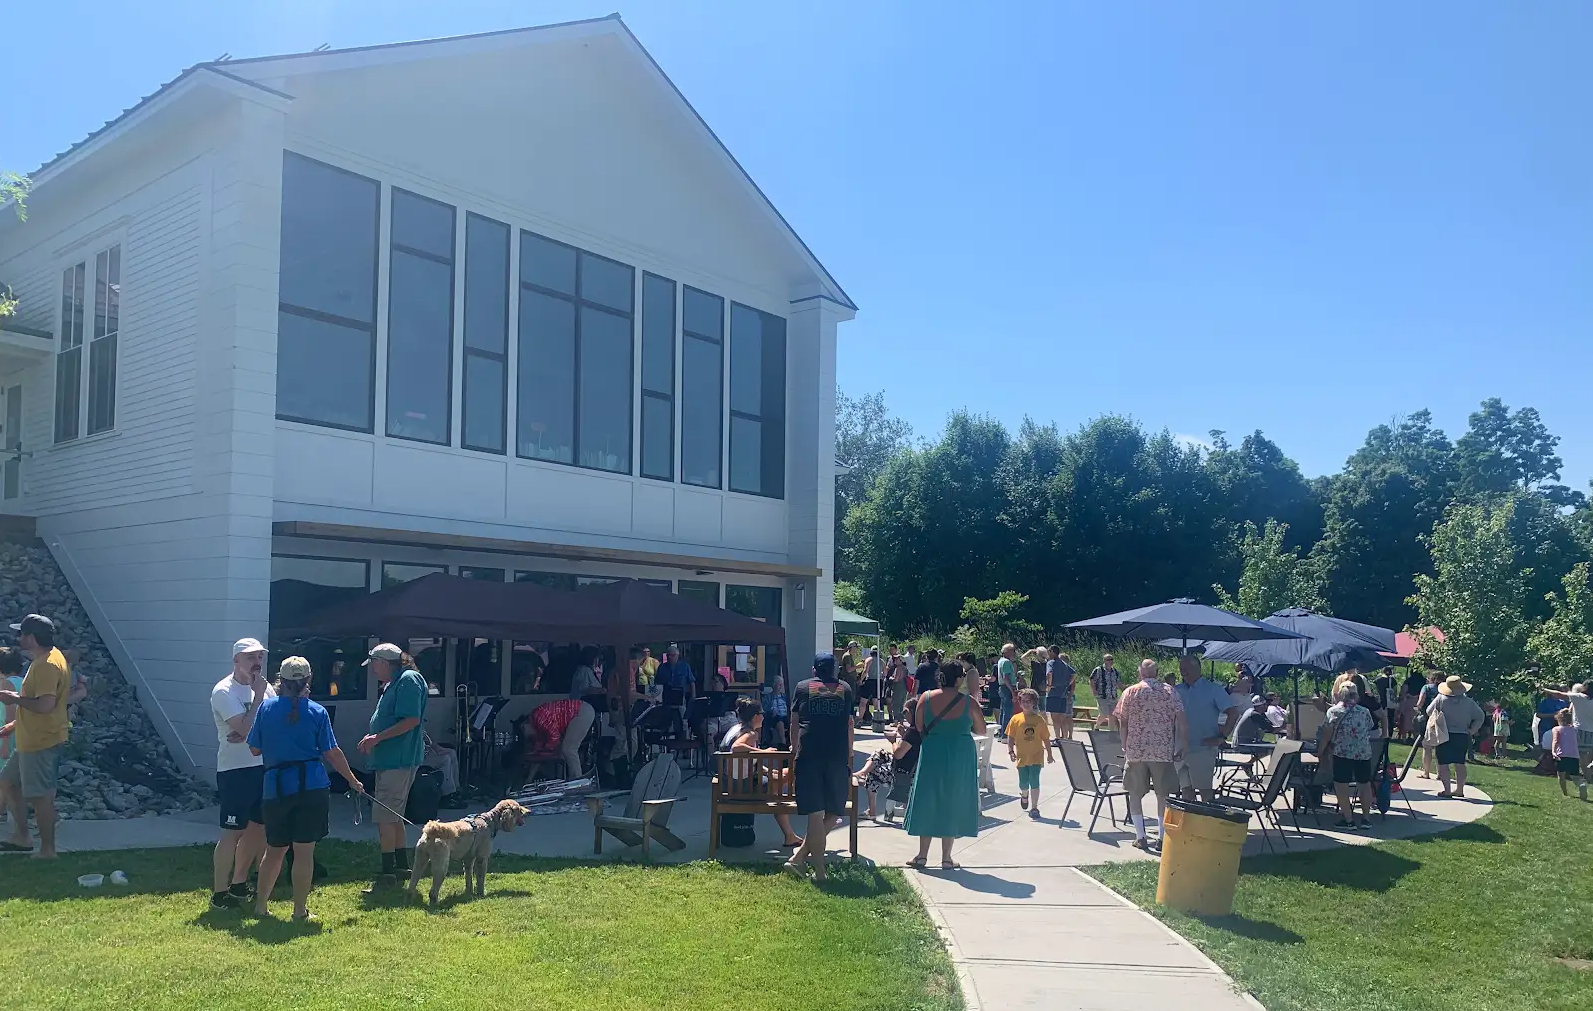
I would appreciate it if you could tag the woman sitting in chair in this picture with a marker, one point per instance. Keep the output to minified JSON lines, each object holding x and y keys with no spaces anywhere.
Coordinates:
{"x":750,"y":713}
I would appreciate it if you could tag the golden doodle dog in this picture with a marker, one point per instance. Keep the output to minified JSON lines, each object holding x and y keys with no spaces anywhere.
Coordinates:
{"x":469,"y":838}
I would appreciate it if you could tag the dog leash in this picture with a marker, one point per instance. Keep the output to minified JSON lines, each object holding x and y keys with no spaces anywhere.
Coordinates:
{"x":370,"y":797}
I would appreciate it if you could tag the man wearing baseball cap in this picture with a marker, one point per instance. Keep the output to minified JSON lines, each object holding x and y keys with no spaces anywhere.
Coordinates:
{"x":821,"y":743}
{"x":240,"y":774}
{"x":394,"y":745}
{"x":41,"y":727}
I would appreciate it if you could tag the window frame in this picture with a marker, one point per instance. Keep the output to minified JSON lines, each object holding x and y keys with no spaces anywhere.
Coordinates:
{"x":331,"y":319}
{"x":502,"y":358}
{"x":580,"y":304}
{"x":88,"y":262}
{"x":722,"y":342}
{"x":452,"y":263}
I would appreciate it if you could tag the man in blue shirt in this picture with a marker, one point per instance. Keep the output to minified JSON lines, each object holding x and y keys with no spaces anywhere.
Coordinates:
{"x":676,"y":677}
{"x":1212,"y":714}
{"x":395,"y":745}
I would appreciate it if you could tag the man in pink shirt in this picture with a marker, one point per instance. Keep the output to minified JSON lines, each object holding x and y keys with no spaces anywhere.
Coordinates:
{"x":1155,"y":735}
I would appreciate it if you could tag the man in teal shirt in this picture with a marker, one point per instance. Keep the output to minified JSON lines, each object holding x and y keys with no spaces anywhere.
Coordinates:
{"x":394,"y":747}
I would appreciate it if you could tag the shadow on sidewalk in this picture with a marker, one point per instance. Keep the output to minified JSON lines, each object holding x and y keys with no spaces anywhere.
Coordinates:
{"x":976,"y":881}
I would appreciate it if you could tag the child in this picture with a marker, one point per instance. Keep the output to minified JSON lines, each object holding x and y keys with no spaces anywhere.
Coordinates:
{"x":1563,"y":747}
{"x":1029,"y":747}
{"x":1501,"y":731}
{"x":876,"y":778}
{"x":11,"y":667}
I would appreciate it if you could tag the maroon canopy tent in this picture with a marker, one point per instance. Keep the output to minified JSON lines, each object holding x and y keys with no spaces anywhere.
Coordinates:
{"x":614,"y":614}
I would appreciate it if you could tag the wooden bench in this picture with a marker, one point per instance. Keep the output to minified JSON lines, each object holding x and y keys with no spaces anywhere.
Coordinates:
{"x":762,"y":783}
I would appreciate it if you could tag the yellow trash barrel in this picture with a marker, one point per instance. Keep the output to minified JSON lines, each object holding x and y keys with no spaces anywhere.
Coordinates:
{"x":1200,"y":856}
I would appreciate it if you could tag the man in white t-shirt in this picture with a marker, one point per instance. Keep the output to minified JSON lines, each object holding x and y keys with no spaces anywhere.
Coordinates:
{"x":240,"y":774}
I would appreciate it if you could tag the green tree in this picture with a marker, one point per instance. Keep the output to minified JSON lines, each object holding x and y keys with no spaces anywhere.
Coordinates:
{"x":850,"y":596}
{"x":930,"y":532}
{"x":1389,"y":496}
{"x":1273,"y":577}
{"x":1563,"y":644}
{"x":1504,"y":451}
{"x":1256,"y":482}
{"x":1475,"y":595}
{"x":13,"y":187}
{"x":989,"y":624}
{"x":867,"y":439}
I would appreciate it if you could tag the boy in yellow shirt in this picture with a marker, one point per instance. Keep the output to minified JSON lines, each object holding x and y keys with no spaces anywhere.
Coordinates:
{"x":1029,"y":747}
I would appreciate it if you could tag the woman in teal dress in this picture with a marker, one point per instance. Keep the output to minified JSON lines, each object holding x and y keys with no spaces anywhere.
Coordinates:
{"x":944,"y":803}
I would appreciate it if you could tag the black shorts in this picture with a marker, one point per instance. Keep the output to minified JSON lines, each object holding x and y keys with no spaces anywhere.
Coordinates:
{"x":1352,"y":770}
{"x":1453,"y":751}
{"x":1568,"y":766}
{"x":869,"y":689}
{"x":822,"y":784}
{"x":1059,"y":703}
{"x":239,"y":792}
{"x":297,"y":818}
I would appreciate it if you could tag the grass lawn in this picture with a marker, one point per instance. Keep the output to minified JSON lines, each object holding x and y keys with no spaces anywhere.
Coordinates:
{"x":1476,"y":917}
{"x":549,"y":935}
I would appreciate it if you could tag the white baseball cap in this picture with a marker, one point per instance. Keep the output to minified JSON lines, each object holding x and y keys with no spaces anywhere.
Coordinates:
{"x":243,"y":646}
{"x":386,"y":651}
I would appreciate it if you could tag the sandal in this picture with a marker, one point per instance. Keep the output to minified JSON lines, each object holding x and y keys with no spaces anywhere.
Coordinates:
{"x":917,"y":863}
{"x":1445,"y":793}
{"x":950,"y":865}
{"x":10,"y":847}
{"x":791,"y":844}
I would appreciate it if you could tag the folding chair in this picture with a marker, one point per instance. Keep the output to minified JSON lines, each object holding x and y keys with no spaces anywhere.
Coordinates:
{"x":1108,"y":748}
{"x":1399,"y":780}
{"x":1082,"y":778}
{"x":1276,"y":779}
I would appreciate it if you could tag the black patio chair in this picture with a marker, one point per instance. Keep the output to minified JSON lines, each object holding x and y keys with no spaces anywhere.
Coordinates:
{"x":1108,"y":748}
{"x":1264,"y":802}
{"x":1083,"y":780}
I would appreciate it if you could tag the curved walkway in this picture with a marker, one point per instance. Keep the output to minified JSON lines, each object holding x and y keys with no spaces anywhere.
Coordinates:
{"x":1026,"y":928}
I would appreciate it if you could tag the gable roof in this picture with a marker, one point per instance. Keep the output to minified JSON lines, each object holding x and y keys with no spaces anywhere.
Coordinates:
{"x":243,"y":73}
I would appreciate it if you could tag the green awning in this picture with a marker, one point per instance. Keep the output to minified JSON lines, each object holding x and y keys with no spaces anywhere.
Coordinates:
{"x":847,"y":623}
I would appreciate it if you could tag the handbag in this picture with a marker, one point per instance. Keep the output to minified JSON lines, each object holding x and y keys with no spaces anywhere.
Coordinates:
{"x":1436,"y":731}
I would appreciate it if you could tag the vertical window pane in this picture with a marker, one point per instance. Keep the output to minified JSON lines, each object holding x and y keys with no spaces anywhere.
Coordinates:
{"x":701,"y":407}
{"x":326,"y":337}
{"x":746,"y":455}
{"x":606,"y":391}
{"x":102,"y":278}
{"x":68,"y":393}
{"x":702,"y":313}
{"x":757,"y":402}
{"x":423,"y":224}
{"x":746,"y":360}
{"x":301,"y":589}
{"x":606,"y":282}
{"x":546,"y":404}
{"x":486,"y":284}
{"x":328,"y":239}
{"x":323,"y":372}
{"x":420,"y":321}
{"x":12,"y":443}
{"x":754,"y":602}
{"x":484,"y":396}
{"x":658,"y":437}
{"x":546,"y":263}
{"x":658,"y":334}
{"x":102,"y":385}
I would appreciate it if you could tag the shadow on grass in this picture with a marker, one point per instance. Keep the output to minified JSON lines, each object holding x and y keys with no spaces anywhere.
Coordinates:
{"x":1475,"y":831}
{"x":1364,"y":868}
{"x":264,"y":930}
{"x":1255,"y":930}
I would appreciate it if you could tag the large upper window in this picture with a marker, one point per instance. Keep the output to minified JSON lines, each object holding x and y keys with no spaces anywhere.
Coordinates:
{"x":658,"y":377}
{"x":85,"y":402}
{"x":326,"y":320}
{"x":420,"y":319}
{"x":575,"y":386}
{"x":757,"y":402}
{"x":702,"y":395}
{"x":486,"y":333}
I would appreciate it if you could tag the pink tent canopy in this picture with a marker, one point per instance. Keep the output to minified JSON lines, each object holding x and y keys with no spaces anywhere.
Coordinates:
{"x":1406,"y":644}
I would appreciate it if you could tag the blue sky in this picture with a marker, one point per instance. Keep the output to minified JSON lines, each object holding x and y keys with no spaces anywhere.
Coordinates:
{"x":1215,"y":215}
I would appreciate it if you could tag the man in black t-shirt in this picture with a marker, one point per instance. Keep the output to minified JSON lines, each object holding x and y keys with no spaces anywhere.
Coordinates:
{"x":927,"y":676}
{"x":821,"y":740}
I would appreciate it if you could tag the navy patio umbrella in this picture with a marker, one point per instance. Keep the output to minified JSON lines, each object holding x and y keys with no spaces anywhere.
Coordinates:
{"x":1185,"y":621}
{"x":1326,"y":645}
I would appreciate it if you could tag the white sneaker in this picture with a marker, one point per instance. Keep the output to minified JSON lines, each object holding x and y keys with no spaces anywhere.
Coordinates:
{"x":1581,"y":789}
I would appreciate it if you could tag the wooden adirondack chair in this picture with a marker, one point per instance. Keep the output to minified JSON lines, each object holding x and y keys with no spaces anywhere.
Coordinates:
{"x":646,"y":814}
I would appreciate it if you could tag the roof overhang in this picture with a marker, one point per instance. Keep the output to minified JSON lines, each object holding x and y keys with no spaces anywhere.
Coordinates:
{"x":534,"y":549}
{"x":24,"y":343}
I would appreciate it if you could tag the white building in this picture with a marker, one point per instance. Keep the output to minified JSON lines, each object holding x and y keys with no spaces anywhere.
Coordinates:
{"x":300,"y":326}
